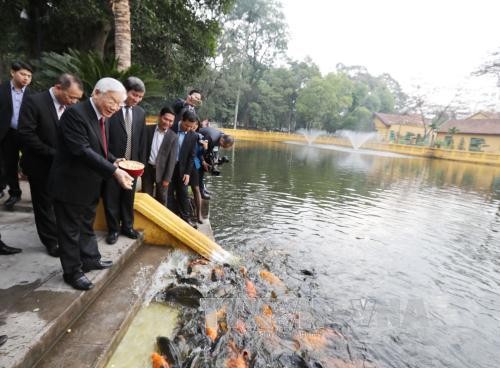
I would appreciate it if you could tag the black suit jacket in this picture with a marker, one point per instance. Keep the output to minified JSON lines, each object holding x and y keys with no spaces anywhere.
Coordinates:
{"x":166,"y":158}
{"x":6,"y":108}
{"x":118,"y":134}
{"x":213,"y":137}
{"x":80,"y":165}
{"x":37,"y":130}
{"x":187,"y":153}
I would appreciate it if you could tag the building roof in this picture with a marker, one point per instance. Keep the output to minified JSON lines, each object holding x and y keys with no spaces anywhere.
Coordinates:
{"x":408,"y":119}
{"x":484,"y":115}
{"x":472,"y":126}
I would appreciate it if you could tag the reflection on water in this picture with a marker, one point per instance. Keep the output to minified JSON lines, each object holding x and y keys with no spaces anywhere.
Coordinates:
{"x":403,"y":250}
{"x":358,"y":151}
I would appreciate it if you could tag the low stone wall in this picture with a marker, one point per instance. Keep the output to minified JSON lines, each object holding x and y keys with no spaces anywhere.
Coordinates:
{"x":422,"y":151}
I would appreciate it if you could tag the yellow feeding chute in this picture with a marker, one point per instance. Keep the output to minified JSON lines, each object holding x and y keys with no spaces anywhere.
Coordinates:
{"x":163,"y":227}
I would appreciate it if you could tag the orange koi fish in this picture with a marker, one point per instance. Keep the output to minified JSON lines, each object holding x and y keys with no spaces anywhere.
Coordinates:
{"x":159,"y":361}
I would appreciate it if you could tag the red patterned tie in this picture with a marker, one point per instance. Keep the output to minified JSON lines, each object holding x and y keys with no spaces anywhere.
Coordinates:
{"x":103,"y":135}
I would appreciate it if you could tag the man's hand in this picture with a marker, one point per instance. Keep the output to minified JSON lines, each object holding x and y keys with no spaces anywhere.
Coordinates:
{"x":123,"y":178}
{"x":185,"y":179}
{"x":205,"y":165}
{"x":165,"y":184}
{"x":118,"y":160}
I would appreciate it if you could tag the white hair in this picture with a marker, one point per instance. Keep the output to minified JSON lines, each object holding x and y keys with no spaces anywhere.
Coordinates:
{"x":107,"y":84}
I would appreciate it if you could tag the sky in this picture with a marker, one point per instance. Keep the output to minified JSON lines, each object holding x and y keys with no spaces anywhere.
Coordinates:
{"x":430,"y":47}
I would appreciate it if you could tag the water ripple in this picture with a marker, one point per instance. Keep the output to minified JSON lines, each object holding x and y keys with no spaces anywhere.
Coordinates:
{"x":418,"y":236}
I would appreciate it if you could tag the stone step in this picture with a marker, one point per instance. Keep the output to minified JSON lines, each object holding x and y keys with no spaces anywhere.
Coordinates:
{"x":36,"y":306}
{"x":100,"y":328}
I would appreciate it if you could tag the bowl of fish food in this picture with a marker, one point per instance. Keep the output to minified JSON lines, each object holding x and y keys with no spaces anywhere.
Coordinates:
{"x":133,"y":168}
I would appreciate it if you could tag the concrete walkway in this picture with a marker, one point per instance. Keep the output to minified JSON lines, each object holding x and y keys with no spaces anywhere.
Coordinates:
{"x":36,"y":306}
{"x":48,"y":323}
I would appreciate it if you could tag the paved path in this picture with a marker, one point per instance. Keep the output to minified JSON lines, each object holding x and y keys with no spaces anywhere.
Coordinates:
{"x":36,"y":306}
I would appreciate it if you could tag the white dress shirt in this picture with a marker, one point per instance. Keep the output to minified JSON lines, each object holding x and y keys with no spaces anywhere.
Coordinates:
{"x":59,"y":108}
{"x":156,"y":144}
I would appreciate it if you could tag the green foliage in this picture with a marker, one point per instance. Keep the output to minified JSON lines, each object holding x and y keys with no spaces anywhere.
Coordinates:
{"x":254,"y":36}
{"x":174,"y":38}
{"x":171,"y":37}
{"x":227,"y":48}
{"x":326,"y":100}
{"x":90,"y":68}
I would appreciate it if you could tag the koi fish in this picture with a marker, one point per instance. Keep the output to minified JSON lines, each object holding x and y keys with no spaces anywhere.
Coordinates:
{"x":211,"y":333}
{"x":316,"y":340}
{"x":238,"y":359}
{"x":159,"y":361}
{"x":250,"y":289}
{"x":271,"y":278}
{"x":240,"y":327}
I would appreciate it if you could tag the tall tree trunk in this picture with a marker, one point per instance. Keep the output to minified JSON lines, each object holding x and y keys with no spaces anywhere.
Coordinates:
{"x":98,"y":41}
{"x":123,"y":36}
{"x":237,"y":105}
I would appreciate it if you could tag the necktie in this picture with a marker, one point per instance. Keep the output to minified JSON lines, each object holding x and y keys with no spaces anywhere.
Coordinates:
{"x":128,"y":129}
{"x":61,"y":110}
{"x":103,"y":136}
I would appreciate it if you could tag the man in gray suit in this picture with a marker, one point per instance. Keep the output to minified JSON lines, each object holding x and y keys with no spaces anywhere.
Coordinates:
{"x":161,"y":154}
{"x":127,"y":138}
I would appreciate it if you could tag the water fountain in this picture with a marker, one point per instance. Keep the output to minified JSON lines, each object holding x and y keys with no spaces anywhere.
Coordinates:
{"x":311,"y":134}
{"x":357,"y":139}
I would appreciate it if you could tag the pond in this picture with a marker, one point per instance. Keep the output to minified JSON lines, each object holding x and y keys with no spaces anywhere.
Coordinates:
{"x":396,"y":259}
{"x":404,"y":250}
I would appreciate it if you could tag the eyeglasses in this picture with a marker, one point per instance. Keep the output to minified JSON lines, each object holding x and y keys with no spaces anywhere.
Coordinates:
{"x":111,"y":102}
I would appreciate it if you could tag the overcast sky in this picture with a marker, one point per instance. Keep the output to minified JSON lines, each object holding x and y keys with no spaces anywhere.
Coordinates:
{"x":432,"y":43}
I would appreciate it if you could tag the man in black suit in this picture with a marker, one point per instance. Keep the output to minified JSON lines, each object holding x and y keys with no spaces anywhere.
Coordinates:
{"x":81,"y":164}
{"x":11,"y":97}
{"x":37,"y":130}
{"x":126,"y":139}
{"x":215,"y":139}
{"x":161,"y":156}
{"x":177,"y":200}
{"x":192,"y":101}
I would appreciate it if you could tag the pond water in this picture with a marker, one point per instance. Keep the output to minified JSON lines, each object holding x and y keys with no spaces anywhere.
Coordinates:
{"x":396,"y":258}
{"x":405,"y":251}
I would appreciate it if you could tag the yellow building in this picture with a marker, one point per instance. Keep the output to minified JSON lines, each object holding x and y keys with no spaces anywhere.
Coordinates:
{"x":397,"y":128}
{"x":479,"y":132}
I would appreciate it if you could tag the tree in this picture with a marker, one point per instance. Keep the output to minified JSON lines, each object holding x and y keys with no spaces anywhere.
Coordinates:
{"x":123,"y":37}
{"x":254,"y":37}
{"x":325,"y":100}
{"x":173,"y":38}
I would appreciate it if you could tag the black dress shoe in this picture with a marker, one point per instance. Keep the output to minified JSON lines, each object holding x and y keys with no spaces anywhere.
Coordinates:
{"x":78,"y":281}
{"x":130,"y":233}
{"x":9,"y":203}
{"x":6,"y":250}
{"x":191,"y":223}
{"x":3,"y":339}
{"x":96,"y":265}
{"x":112,"y":237}
{"x":53,"y":251}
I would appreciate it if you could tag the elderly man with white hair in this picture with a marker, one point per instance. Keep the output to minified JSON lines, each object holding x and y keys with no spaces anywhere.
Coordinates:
{"x":81,"y":164}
